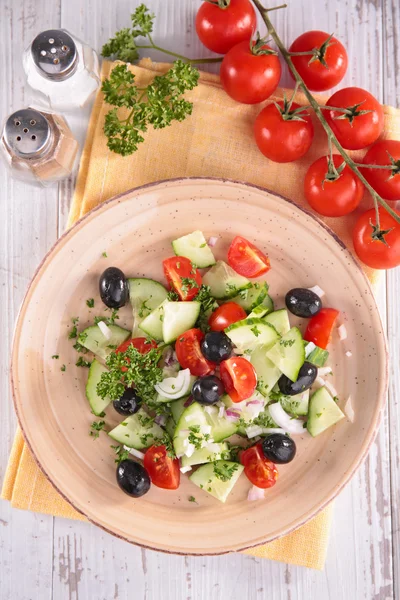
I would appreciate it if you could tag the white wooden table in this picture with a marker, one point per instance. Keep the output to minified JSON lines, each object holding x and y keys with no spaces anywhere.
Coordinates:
{"x":43,"y":558}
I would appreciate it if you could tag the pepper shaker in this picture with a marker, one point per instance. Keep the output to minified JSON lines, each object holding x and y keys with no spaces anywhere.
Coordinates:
{"x":61,"y":70}
{"x":38,"y":146}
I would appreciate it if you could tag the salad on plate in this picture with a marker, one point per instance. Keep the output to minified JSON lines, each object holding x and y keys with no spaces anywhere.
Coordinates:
{"x":212,"y":381}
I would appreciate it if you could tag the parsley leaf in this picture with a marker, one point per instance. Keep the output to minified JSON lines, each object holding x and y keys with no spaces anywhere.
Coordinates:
{"x":255,"y":330}
{"x":81,"y":362}
{"x":104,"y":254}
{"x":172,"y":296}
{"x":95,"y":429}
{"x":63,"y":368}
{"x":123,"y":44}
{"x":192,"y":499}
{"x":208,"y":305}
{"x":224,"y":471}
{"x":90,"y":302}
{"x":121,"y":453}
{"x":73,"y":333}
{"x":55,"y":356}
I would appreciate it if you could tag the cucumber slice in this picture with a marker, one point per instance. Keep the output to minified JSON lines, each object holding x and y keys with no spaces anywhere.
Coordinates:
{"x":247,"y":411}
{"x":152,"y":325}
{"x":221,"y":427}
{"x":170,"y":427}
{"x":296,"y":405}
{"x":137,"y":431}
{"x":288,"y":354}
{"x":250,"y":333}
{"x":177,"y":408}
{"x":145,"y":296}
{"x":267,"y":373}
{"x":318,"y":357}
{"x":280,"y":320}
{"x":206,"y":478}
{"x":224,"y":282}
{"x":253,"y":296}
{"x":97,"y":404}
{"x":323,"y":412}
{"x":194,"y":247}
{"x":94,"y":340}
{"x":178,"y":318}
{"x":192,"y":416}
{"x":211,"y":453}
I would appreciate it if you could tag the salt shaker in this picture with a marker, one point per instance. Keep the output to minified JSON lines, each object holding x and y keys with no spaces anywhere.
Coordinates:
{"x":38,"y":146}
{"x":61,"y":70}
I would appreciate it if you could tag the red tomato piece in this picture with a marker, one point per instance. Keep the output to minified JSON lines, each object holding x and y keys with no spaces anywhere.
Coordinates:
{"x":317,"y":76}
{"x":142,"y":345}
{"x":359,"y":129}
{"x":163,"y":470}
{"x":239,"y":378}
{"x":258,"y":469}
{"x":373,"y":252}
{"x":319,"y":329}
{"x":334,"y":198}
{"x":225,"y":315}
{"x":221,"y":27}
{"x":182,"y":277}
{"x":246,"y":259}
{"x":188,"y":352}
{"x":283,"y":139}
{"x":385,"y":182}
{"x":248,"y":77}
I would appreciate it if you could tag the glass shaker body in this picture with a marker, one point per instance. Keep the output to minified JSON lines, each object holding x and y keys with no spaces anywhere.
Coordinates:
{"x":62,"y":71}
{"x":38,"y":146}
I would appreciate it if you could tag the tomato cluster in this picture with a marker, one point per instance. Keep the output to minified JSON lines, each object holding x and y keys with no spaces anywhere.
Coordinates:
{"x":283,"y":131}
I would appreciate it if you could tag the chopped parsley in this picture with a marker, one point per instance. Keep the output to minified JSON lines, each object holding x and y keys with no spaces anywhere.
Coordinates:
{"x":90,"y":302}
{"x":203,"y":245}
{"x":81,"y":362}
{"x":104,"y":254}
{"x":73,"y":333}
{"x":120,"y":453}
{"x":95,"y":429}
{"x":55,"y":356}
{"x":188,"y":283}
{"x":196,"y":438}
{"x":224,"y":471}
{"x":63,"y":368}
{"x":172,"y":296}
{"x":78,"y":346}
{"x":255,"y":330}
{"x":144,"y":439}
{"x":192,"y":499}
{"x":107,"y":320}
{"x":144,"y":310}
{"x":287,"y":343}
{"x":167,"y":442}
{"x":145,"y":421}
{"x":207,"y":305}
{"x":231,"y":288}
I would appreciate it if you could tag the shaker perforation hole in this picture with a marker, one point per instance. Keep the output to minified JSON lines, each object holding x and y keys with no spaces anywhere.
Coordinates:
{"x":53,"y":50}
{"x":26,"y":130}
{"x":33,"y":122}
{"x":33,"y":137}
{"x":43,"y":52}
{"x":18,"y":138}
{"x":64,"y":48}
{"x":56,"y":61}
{"x":17,"y":123}
{"x":51,"y":40}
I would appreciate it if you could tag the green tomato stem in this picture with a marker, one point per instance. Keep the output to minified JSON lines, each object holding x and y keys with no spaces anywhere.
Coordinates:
{"x":315,"y":106}
{"x":192,"y":61}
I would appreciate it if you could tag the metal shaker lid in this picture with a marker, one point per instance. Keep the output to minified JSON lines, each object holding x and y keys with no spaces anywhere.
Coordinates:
{"x":28,"y":133}
{"x":54,"y":54}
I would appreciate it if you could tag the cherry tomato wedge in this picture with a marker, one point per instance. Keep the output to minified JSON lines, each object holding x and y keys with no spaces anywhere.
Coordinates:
{"x":375,"y":253}
{"x":239,"y":378}
{"x":225,"y":315}
{"x":246,"y":259}
{"x":258,"y":469}
{"x":142,"y":345}
{"x":222,"y":27}
{"x":320,"y":327}
{"x":163,"y":470}
{"x":182,"y":277}
{"x":189,"y":355}
{"x":385,"y":182}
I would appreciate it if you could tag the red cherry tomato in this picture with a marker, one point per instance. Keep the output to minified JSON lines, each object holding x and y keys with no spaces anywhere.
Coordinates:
{"x":332,"y":198}
{"x":317,"y":76}
{"x":375,"y":253}
{"x":163,"y":470}
{"x":188,"y":352}
{"x":283,"y":139}
{"x":222,"y":25}
{"x":246,"y":259}
{"x":258,"y":469}
{"x":385,"y":182}
{"x":182,"y":277}
{"x":358,"y":131}
{"x":142,"y":345}
{"x":247,"y":77}
{"x":225,"y":315}
{"x":319,"y":329}
{"x":239,"y":378}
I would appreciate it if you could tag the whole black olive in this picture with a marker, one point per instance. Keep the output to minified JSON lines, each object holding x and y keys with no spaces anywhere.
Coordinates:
{"x":207,"y":390}
{"x":132,"y":478}
{"x":305,"y":379}
{"x":303,"y":302}
{"x":128,"y":404}
{"x":279,"y":448}
{"x":216,"y":346}
{"x":113,"y":286}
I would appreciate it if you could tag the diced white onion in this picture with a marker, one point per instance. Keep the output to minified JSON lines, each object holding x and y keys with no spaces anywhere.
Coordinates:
{"x":330,"y":388}
{"x":185,"y":469}
{"x":255,"y":493}
{"x":183,"y":432}
{"x":317,"y":290}
{"x":189,"y":418}
{"x":205,"y":429}
{"x":309,"y":348}
{"x":221,"y":411}
{"x":134,"y":452}
{"x":209,"y":409}
{"x":253,"y":431}
{"x":105,"y":330}
{"x":348,"y":353}
{"x":342,"y":331}
{"x":269,"y":430}
{"x":349,"y":410}
{"x":322,"y":371}
{"x":161,"y":420}
{"x":320,"y":381}
{"x":253,"y":410}
{"x":212,"y":241}
{"x":190,"y":450}
{"x":284,"y":420}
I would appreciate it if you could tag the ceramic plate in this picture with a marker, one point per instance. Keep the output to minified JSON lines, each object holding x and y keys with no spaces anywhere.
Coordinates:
{"x":136,"y":230}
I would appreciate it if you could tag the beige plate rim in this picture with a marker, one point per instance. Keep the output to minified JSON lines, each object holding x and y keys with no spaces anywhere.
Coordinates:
{"x":374,"y":425}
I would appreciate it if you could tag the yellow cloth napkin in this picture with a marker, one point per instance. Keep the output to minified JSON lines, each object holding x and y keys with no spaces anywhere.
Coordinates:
{"x":217,"y":140}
